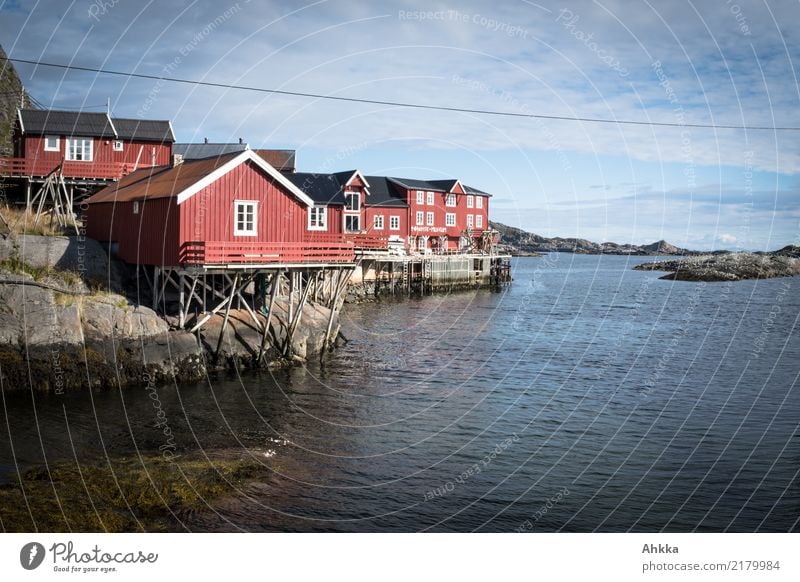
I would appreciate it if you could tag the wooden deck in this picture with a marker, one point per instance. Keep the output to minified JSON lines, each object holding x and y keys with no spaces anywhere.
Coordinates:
{"x":32,"y":168}
{"x":261,"y":253}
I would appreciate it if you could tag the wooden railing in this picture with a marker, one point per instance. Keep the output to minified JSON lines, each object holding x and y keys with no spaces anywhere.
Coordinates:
{"x":22,"y":167}
{"x":359,"y":240}
{"x":228,"y":253}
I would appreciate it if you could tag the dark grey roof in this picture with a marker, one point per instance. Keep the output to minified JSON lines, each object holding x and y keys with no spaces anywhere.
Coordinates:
{"x":78,"y":123}
{"x":143,"y":129}
{"x":321,"y":188}
{"x":383,"y":193}
{"x":198,"y":151}
{"x":90,"y":124}
{"x":475,"y":191}
{"x":445,"y":185}
{"x":410,"y":184}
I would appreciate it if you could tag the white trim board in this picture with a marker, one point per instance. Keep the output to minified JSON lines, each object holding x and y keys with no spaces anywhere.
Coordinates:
{"x":244,"y":156}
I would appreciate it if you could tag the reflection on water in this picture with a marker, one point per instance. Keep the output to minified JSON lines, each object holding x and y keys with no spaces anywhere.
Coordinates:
{"x":584,"y":397}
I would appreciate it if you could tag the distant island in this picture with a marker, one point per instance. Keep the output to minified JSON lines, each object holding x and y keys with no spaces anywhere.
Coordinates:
{"x":692,"y":266}
{"x":521,"y":243}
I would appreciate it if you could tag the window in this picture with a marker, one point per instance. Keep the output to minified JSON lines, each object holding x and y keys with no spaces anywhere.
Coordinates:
{"x":430,"y":198}
{"x":377,"y":222}
{"x":470,"y":201}
{"x":469,"y":221}
{"x":450,"y":200}
{"x":352,"y":201}
{"x":422,"y":242}
{"x":245,"y":224}
{"x":430,"y":219}
{"x":450,"y":219}
{"x":51,"y":143}
{"x":394,"y":223}
{"x":420,"y":218}
{"x":478,"y":201}
{"x":478,"y":221}
{"x":79,"y":149}
{"x":318,"y":218}
{"x":420,"y":197}
{"x":136,"y":207}
{"x":352,"y":223}
{"x":117,"y":145}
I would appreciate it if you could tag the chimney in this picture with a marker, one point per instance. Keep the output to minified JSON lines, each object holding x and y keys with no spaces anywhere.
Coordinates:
{"x":205,"y":140}
{"x":177,"y":159}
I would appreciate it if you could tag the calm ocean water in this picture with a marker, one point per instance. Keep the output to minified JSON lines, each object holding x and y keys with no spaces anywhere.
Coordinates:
{"x":584,"y":397}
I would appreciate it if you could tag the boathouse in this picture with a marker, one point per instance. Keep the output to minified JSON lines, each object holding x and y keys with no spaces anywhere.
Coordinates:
{"x":219,"y":233}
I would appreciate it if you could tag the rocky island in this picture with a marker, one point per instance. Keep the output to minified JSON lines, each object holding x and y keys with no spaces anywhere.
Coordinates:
{"x":730,"y":266}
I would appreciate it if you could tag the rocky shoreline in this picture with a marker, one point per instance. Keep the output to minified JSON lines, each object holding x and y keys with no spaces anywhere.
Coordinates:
{"x":728,"y":267}
{"x":68,"y":320}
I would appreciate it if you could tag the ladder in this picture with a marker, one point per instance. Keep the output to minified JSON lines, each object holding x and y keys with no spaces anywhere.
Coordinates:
{"x":405,"y":275}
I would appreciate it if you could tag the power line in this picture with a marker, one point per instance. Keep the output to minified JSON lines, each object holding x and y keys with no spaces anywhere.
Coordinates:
{"x":398,"y":103}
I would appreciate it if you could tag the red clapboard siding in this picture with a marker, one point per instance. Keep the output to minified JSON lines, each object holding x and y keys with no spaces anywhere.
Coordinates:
{"x":209,"y":214}
{"x":147,"y":238}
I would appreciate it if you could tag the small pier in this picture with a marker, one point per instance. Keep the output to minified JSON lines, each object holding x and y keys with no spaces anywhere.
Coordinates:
{"x":428,"y":273}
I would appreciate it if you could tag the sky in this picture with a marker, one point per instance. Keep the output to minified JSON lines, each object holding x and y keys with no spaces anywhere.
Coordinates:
{"x":714,"y":62}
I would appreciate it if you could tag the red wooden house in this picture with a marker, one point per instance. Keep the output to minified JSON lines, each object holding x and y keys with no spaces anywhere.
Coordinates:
{"x":226,"y":210}
{"x":443,"y":215}
{"x":90,"y":147}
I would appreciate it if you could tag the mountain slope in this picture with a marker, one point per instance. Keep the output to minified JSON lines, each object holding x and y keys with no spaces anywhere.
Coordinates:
{"x":12,"y":93}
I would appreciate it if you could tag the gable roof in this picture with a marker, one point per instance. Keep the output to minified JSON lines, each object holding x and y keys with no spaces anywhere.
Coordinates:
{"x":281,"y":160}
{"x":446,"y":185}
{"x":325,"y":188}
{"x":410,"y":184}
{"x":45,"y":121}
{"x":185,"y":180}
{"x":384,"y":193}
{"x":144,"y":129}
{"x":91,"y":124}
{"x":198,"y":151}
{"x":475,"y":191}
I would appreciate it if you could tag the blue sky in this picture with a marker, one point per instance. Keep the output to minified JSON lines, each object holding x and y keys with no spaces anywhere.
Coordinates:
{"x":719,"y":62}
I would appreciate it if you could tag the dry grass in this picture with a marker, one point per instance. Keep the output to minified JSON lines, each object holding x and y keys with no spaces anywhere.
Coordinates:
{"x":21,"y":221}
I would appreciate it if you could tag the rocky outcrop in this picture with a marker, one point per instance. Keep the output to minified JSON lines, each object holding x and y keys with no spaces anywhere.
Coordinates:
{"x":727,"y":267}
{"x":59,"y":332}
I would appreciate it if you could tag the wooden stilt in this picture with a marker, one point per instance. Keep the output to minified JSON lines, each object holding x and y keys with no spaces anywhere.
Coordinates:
{"x":293,"y":323}
{"x":227,"y":314}
{"x":276,"y":283}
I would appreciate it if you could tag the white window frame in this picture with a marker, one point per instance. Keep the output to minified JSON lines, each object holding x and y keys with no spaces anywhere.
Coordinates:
{"x":420,"y":197}
{"x":321,"y":215}
{"x":431,"y":198}
{"x":377,"y":222}
{"x":422,"y":243}
{"x":469,"y":221}
{"x":479,"y":221}
{"x":351,"y":195}
{"x":394,"y":223}
{"x":253,"y":230}
{"x":84,"y":140}
{"x":450,"y":219}
{"x":431,"y":219}
{"x":420,"y":218}
{"x":136,"y":207}
{"x":351,"y":217}
{"x":48,"y":147}
{"x":118,"y":145}
{"x":450,"y":200}
{"x":470,"y":201}
{"x":478,"y":201}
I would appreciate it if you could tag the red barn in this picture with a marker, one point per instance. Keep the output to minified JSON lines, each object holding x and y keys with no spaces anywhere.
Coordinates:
{"x":91,"y":146}
{"x":230,"y":209}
